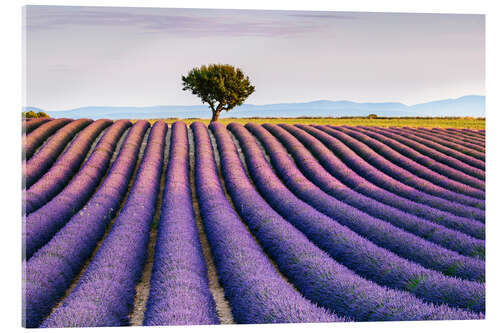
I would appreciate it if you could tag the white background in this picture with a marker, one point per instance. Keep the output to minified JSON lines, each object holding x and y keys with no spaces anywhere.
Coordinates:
{"x":10,"y":139}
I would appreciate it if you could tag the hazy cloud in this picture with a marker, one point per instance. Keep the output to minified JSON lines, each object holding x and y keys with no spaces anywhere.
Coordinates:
{"x":195,"y":22}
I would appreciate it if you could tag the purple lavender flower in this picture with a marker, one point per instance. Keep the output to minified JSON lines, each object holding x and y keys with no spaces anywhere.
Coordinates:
{"x":397,"y":172}
{"x":35,"y":139}
{"x":342,"y":172}
{"x":476,"y":146}
{"x":313,"y":170}
{"x":425,"y":161}
{"x":52,"y":182}
{"x":448,"y":158}
{"x":257,"y":293}
{"x":179,"y":293}
{"x":367,"y":171}
{"x":30,"y":124}
{"x":441,"y":180}
{"x":311,"y":270}
{"x":51,"y":270}
{"x":444,"y":144}
{"x":50,"y":151}
{"x":105,"y":293}
{"x":42,"y":224}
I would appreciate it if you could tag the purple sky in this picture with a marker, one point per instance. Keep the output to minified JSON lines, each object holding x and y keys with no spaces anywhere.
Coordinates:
{"x":82,"y":56}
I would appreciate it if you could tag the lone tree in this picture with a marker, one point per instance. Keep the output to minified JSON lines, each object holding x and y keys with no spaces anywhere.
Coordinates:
{"x":221,"y":86}
{"x":32,"y":114}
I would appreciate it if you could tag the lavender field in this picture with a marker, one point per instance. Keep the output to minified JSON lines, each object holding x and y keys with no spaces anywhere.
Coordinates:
{"x":156,"y":223}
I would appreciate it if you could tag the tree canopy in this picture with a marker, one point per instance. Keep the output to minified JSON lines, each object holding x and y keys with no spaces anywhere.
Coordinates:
{"x":33,"y":114}
{"x":221,"y":86}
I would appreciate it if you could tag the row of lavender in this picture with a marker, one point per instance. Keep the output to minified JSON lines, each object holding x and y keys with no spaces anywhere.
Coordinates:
{"x":51,"y":270}
{"x":186,"y":274}
{"x":47,"y":154}
{"x":337,"y":167}
{"x":435,"y":267}
{"x":65,"y":166}
{"x":30,"y":124}
{"x":40,"y":225}
{"x":40,"y":134}
{"x":255,"y":289}
{"x":105,"y":292}
{"x":376,"y":263}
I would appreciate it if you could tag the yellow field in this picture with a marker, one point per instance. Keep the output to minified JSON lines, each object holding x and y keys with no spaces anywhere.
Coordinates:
{"x":469,"y":122}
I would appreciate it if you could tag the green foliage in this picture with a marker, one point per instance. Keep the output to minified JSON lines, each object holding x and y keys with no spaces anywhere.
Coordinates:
{"x":29,"y":114}
{"x":33,"y":114}
{"x":413,"y":283}
{"x":221,"y":86}
{"x":372,"y":116}
{"x":42,"y":114}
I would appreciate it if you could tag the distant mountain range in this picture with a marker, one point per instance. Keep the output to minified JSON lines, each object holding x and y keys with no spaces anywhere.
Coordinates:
{"x":466,"y":106}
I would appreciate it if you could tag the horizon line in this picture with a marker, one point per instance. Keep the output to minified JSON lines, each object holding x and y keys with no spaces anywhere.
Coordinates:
{"x":312,"y":101}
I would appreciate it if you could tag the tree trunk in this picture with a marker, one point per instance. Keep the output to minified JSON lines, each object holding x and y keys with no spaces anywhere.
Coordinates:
{"x":215,"y":115}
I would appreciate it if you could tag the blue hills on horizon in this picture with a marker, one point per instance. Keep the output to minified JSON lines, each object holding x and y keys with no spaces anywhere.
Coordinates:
{"x":465,"y":106}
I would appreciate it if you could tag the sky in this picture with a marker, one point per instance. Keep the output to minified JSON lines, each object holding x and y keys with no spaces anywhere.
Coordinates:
{"x":118,"y":56}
